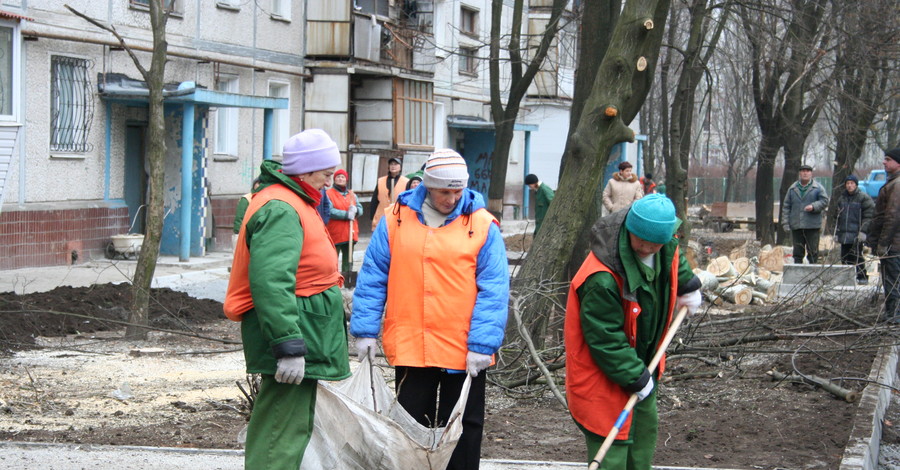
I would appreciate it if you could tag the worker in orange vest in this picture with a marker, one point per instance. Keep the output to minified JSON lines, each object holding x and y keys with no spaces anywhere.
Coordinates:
{"x":619,"y":307}
{"x":345,"y":209}
{"x":285,"y":291}
{"x":436,"y":271}
{"x":387,"y":189}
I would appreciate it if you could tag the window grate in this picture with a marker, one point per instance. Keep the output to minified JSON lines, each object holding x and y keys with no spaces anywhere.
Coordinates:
{"x":72,"y":104}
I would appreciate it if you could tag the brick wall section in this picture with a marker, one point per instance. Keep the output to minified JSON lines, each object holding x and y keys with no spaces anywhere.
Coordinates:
{"x":34,"y":238}
{"x":223,"y":214}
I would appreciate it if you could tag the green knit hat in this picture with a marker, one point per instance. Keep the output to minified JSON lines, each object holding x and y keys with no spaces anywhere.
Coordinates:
{"x":652,"y":218}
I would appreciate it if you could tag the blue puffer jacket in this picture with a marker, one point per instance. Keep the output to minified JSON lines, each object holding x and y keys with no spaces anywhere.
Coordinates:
{"x":491,"y":276}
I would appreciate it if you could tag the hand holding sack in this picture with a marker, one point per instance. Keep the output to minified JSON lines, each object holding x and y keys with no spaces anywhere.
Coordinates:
{"x":476,"y":362}
{"x":861,"y":237}
{"x":364,"y":347}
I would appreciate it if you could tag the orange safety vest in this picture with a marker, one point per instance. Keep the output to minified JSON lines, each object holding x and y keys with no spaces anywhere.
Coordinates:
{"x":386,"y":198}
{"x":340,"y":229}
{"x":431,"y":288}
{"x":595,"y":401}
{"x":317,"y":270}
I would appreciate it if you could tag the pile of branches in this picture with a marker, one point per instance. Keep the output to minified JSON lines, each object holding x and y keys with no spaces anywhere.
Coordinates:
{"x":811,"y":342}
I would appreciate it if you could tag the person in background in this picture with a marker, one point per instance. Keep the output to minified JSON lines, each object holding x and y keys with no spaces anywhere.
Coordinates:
{"x":415,"y":179}
{"x":622,"y":189}
{"x":436,"y":271}
{"x":854,"y":212}
{"x":801,"y":215}
{"x":345,"y":209}
{"x":620,"y":304}
{"x":242,"y":204}
{"x":648,"y":184}
{"x":543,"y":196}
{"x":285,"y":291}
{"x":884,"y":235}
{"x":386,"y":190}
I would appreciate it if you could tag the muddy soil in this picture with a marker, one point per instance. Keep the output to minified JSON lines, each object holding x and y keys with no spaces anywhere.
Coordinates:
{"x":67,"y":378}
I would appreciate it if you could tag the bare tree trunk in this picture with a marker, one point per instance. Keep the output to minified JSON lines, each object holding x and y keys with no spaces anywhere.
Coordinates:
{"x":505,"y":117}
{"x":619,"y":90}
{"x":156,"y":154}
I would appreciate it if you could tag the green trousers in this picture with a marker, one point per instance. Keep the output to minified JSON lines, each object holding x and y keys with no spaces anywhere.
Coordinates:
{"x":636,"y":453}
{"x":343,"y":251}
{"x":280,"y":425}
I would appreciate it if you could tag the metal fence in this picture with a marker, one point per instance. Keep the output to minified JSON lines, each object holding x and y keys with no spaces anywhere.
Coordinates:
{"x":710,"y":190}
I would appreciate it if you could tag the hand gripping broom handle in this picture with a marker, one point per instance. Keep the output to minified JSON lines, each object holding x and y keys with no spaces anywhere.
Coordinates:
{"x":611,"y":436}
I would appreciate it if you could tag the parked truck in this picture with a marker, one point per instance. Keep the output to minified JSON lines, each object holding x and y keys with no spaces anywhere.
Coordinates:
{"x":873,"y":183}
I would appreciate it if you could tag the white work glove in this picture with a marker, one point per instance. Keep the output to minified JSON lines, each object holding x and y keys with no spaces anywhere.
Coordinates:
{"x":860,"y":237}
{"x":787,"y":228}
{"x":476,"y":362}
{"x":351,"y":213}
{"x":645,"y":392}
{"x":366,"y":346}
{"x":691,"y":300}
{"x":291,"y":370}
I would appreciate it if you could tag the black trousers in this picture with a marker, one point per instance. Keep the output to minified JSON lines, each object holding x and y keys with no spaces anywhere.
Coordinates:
{"x":806,"y":240}
{"x":417,"y":391}
{"x":851,"y":253}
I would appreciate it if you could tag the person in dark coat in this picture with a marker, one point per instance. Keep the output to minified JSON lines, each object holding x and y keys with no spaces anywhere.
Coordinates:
{"x":542,"y":199}
{"x":884,"y":235}
{"x":855,"y":211}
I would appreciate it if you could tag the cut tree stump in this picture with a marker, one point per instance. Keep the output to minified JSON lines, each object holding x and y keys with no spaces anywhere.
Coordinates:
{"x":737,"y":294}
{"x":771,"y":258}
{"x":721,"y":267}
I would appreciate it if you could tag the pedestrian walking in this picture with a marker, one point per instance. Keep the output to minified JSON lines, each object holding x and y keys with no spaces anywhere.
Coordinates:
{"x":622,"y":189}
{"x":542,"y":199}
{"x":387,"y":189}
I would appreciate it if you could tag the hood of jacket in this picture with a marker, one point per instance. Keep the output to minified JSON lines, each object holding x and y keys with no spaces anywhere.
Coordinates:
{"x":631,"y":178}
{"x":470,"y":201}
{"x":605,"y":241}
{"x":270,"y":173}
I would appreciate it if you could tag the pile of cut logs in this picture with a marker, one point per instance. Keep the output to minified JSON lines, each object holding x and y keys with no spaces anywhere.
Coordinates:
{"x":741,"y":280}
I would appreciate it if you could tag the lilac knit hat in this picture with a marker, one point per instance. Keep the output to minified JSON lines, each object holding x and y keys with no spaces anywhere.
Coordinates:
{"x":309,"y":151}
{"x":445,"y":169}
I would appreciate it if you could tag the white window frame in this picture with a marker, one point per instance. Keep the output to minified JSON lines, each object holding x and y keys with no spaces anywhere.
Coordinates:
{"x":226,"y":135}
{"x":175,"y":7}
{"x":281,"y":9}
{"x":15,"y":72}
{"x":281,"y":118}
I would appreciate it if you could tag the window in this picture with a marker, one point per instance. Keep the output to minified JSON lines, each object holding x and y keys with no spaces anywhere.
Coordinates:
{"x":468,"y":21}
{"x":372,"y":7}
{"x":9,"y":71}
{"x":281,"y":118}
{"x":227,"y":120}
{"x":413,"y":113}
{"x":174,"y":6}
{"x":281,"y":9}
{"x":468,"y":58}
{"x":71,"y":104}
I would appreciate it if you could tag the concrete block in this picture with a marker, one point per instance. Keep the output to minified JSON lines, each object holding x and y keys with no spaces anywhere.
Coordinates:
{"x":819,"y":275}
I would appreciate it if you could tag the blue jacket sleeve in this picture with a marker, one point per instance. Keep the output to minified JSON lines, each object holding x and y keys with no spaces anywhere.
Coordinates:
{"x":492,"y":303}
{"x":371,"y":286}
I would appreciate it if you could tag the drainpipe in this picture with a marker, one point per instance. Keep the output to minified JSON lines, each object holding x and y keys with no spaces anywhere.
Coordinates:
{"x":268,"y":115}
{"x":187,"y":163}
{"x":526,"y":191}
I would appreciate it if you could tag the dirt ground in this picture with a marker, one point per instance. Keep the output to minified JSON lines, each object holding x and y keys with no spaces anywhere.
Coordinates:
{"x":72,"y":379}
